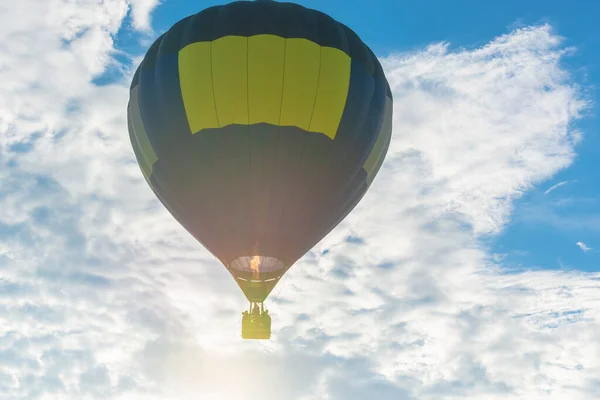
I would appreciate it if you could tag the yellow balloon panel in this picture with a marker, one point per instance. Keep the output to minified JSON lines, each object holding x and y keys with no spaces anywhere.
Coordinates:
{"x":264,"y":79}
{"x":195,"y":75}
{"x":266,"y":56}
{"x":140,"y":137}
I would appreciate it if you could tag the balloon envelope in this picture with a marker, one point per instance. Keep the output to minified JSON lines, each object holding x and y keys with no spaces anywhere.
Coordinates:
{"x":259,"y":126}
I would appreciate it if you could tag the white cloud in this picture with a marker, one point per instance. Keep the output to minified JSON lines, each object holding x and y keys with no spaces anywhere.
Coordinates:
{"x":583,"y":246}
{"x":499,"y":113}
{"x":103,"y":295}
{"x":140,"y":11}
{"x":554,"y":187}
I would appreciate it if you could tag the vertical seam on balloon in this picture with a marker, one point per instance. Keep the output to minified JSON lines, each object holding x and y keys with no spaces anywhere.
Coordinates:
{"x":249,"y":204}
{"x":248,"y":106}
{"x":326,"y":157}
{"x":382,"y":150}
{"x":347,"y":201}
{"x":174,"y":204}
{"x":295,"y":173}
{"x":272,"y":186}
{"x":136,"y":136}
{"x":154,"y":82}
{"x":248,"y":82}
{"x":317,"y":90}
{"x":280,"y":210}
{"x":328,"y":160}
{"x":282,"y":81}
{"x":219,"y":228}
{"x":302,"y":198}
{"x":381,"y":159}
{"x":212,"y":79}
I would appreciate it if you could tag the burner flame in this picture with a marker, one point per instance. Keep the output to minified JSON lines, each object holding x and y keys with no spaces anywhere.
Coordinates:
{"x":255,"y":266}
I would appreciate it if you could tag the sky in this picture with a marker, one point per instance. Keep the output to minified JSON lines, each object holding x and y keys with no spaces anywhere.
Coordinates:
{"x":470,"y":270}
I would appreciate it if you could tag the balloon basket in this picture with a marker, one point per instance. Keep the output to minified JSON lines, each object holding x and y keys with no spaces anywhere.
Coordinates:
{"x":256,"y":323}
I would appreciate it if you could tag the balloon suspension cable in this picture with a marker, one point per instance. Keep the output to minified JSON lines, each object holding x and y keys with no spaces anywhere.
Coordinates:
{"x":256,"y":307}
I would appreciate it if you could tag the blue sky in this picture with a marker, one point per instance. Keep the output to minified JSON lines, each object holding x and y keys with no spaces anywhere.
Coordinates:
{"x":470,"y":270}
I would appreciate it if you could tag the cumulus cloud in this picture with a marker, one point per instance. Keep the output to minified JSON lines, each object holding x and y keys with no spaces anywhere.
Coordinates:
{"x":140,"y":10}
{"x":104,"y":295}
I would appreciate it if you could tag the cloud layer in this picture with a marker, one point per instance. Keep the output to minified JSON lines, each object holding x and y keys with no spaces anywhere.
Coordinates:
{"x":104,"y":295}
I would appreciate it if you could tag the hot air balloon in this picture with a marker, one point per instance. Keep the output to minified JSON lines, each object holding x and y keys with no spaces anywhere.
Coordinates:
{"x":259,"y":125}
